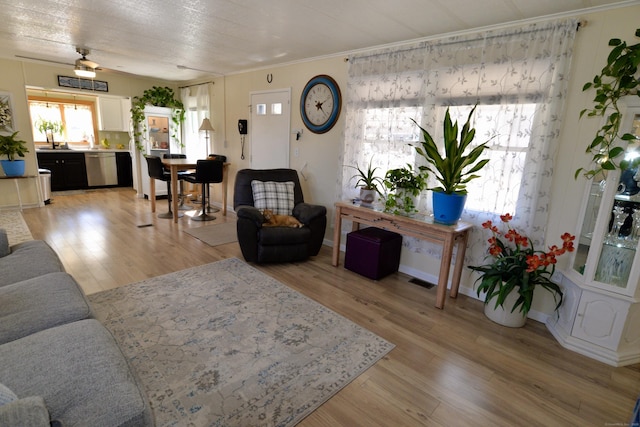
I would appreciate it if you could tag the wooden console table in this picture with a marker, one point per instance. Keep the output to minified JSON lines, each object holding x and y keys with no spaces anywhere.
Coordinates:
{"x":420,"y":227}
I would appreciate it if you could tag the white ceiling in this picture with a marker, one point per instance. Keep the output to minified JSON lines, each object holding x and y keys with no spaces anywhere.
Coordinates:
{"x":158,"y":38}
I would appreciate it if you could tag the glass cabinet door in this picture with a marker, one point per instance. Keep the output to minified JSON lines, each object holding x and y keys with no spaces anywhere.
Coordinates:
{"x":606,"y":254}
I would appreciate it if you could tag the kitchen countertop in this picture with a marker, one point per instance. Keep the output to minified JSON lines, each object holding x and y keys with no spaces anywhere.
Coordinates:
{"x":81,"y":150}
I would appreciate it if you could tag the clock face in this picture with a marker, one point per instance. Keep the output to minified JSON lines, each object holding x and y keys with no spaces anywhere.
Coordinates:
{"x":320,"y":104}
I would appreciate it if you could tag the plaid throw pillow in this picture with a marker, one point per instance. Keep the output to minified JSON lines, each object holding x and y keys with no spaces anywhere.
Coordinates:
{"x":275,"y":196}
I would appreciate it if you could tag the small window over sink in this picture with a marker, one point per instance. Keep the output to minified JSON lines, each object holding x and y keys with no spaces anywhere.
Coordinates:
{"x":73,"y":120}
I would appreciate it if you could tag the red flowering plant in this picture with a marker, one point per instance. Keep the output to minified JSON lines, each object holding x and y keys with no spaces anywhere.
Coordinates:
{"x":517,"y":266}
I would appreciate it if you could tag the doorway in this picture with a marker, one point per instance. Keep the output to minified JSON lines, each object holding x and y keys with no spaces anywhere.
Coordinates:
{"x":270,"y":124}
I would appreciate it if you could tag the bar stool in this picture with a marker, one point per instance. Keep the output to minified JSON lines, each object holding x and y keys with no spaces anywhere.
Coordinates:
{"x":181,"y":197}
{"x":223,"y":158}
{"x":156,"y":171}
{"x":207,"y":172}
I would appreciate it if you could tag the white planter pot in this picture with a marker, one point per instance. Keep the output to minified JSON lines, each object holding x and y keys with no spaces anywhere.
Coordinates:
{"x":504,"y":316}
{"x":367,"y":197}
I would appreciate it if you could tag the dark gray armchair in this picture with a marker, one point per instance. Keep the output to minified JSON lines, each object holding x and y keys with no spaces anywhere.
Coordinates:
{"x":276,"y":244}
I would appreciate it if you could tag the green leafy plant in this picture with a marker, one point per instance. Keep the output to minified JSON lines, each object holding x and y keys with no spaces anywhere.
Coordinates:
{"x":618,"y":78}
{"x":455,"y":169}
{"x":159,"y":97}
{"x":366,"y":178}
{"x":517,"y":266}
{"x":403,"y":186}
{"x":11,"y":146}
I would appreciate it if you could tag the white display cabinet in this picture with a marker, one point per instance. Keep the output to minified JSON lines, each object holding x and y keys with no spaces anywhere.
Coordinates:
{"x":600,"y":314}
{"x":158,"y":131}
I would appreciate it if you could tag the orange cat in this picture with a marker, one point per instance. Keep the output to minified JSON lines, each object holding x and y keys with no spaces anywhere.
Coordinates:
{"x":273,"y":220}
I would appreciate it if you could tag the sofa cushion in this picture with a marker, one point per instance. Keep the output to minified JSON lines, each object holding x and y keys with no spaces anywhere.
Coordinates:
{"x":275,"y":196}
{"x":28,"y":412}
{"x":4,"y":243}
{"x":80,"y":372}
{"x":27,"y":260}
{"x":6,"y":395}
{"x":40,"y":303}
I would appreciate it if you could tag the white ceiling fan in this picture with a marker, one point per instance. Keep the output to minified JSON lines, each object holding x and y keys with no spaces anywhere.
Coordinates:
{"x":83,"y":67}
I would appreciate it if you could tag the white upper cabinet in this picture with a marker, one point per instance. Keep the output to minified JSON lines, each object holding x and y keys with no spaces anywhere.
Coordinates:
{"x":115,"y":113}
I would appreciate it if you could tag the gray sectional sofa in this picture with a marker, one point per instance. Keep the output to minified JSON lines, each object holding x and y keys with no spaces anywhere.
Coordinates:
{"x":58,"y":365}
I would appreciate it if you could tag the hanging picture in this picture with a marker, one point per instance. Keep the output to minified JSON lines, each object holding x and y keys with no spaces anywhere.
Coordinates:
{"x":79,"y":83}
{"x":6,"y":112}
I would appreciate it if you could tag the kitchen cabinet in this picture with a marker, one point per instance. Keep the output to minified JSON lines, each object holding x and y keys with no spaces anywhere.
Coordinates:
{"x":115,"y":114}
{"x":68,"y":170}
{"x":601,"y":308}
{"x":125,"y":172}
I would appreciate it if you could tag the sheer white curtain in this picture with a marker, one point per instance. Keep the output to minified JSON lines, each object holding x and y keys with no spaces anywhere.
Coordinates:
{"x":517,"y":78}
{"x":196,"y":104}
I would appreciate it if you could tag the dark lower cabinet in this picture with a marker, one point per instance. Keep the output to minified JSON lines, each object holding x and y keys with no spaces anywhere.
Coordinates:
{"x":125,"y":171}
{"x":68,"y":170}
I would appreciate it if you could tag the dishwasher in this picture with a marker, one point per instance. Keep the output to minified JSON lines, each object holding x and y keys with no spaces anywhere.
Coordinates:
{"x":102,"y":169}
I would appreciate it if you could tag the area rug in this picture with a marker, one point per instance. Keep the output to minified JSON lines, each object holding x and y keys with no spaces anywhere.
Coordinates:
{"x":17,"y":229}
{"x":215,"y":234}
{"x":226,"y":345}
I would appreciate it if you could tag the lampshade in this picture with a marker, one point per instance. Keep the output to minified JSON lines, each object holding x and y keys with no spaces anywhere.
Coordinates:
{"x":82,"y":71}
{"x":206,"y":125}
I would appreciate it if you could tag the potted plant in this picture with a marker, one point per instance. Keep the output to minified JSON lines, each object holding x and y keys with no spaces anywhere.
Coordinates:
{"x":618,"y":78}
{"x":515,"y":271}
{"x":159,"y":97}
{"x":454,"y":169}
{"x":50,"y":128}
{"x":404,"y":186}
{"x":11,"y":147}
{"x":368,"y":183}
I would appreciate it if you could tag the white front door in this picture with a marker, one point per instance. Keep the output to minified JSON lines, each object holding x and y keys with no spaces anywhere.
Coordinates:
{"x":270,"y":124}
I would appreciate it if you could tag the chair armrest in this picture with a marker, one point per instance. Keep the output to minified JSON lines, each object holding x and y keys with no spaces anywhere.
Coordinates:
{"x":306,"y":212}
{"x":5,"y":249}
{"x":250,"y":213}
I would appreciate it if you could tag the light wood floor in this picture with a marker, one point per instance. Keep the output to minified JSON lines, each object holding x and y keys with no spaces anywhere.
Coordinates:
{"x":450,"y":367}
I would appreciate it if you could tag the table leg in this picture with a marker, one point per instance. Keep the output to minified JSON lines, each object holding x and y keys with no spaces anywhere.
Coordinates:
{"x":443,"y":277}
{"x":18,"y":192}
{"x":174,"y":192}
{"x":152,"y":194}
{"x":337,"y":230}
{"x":457,"y":270}
{"x":225,"y":178}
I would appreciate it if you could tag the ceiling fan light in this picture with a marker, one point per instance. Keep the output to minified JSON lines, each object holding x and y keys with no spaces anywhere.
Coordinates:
{"x":82,"y":71}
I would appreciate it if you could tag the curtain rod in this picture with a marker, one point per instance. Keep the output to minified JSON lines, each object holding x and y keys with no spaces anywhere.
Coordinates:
{"x":418,"y":44}
{"x":196,"y":84}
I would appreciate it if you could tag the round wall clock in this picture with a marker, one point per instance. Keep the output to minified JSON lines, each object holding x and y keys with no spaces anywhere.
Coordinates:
{"x":320,"y":104}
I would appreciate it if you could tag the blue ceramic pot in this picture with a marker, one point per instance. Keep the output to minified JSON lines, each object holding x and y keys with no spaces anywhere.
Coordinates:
{"x":13,"y":167}
{"x":447,"y":208}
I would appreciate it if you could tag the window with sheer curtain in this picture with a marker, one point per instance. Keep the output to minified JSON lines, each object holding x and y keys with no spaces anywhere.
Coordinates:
{"x":516,"y":77}
{"x":196,"y":104}
{"x":78,"y":119}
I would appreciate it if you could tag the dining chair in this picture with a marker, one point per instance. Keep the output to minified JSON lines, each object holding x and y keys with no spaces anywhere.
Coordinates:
{"x":181,"y":197}
{"x":157,"y":171}
{"x":207,"y":172}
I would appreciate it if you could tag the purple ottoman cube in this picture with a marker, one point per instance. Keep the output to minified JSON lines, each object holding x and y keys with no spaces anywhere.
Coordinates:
{"x":373,"y":252}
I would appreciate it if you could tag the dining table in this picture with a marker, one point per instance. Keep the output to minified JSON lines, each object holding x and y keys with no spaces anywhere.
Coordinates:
{"x":175,"y":165}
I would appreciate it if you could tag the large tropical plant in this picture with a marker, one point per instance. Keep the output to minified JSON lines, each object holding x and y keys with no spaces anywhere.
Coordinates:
{"x":619,"y":78}
{"x":460,"y":162}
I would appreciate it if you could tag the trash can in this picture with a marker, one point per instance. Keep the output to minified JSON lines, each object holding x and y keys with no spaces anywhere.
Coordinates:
{"x":45,"y":185}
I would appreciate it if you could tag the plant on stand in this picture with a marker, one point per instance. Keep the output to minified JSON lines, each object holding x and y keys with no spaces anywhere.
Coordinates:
{"x":11,"y":147}
{"x":619,"y":78}
{"x":404,"y":186}
{"x":514,"y":273}
{"x":368,"y":183}
{"x":454,"y":169}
